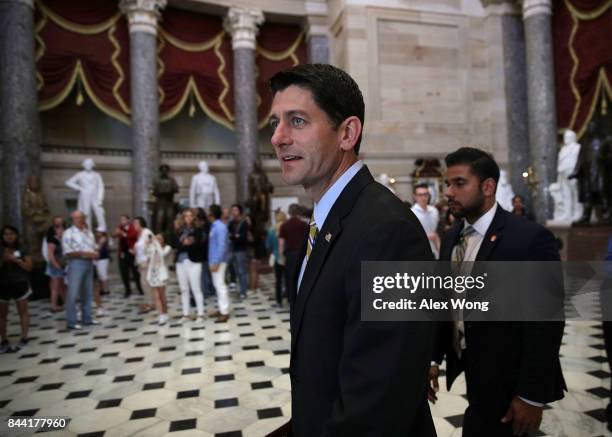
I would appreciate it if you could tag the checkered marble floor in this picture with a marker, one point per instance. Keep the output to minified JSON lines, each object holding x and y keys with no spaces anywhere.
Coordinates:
{"x":130,"y":377}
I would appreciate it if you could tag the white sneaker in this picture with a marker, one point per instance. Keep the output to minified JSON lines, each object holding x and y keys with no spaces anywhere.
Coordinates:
{"x":101,"y":312}
{"x":200,"y":319}
{"x":163,"y":319}
{"x":184,"y":319}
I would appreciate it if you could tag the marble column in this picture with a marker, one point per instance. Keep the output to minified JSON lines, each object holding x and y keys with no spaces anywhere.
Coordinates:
{"x":541,"y":101}
{"x":19,"y":120}
{"x":317,"y":38}
{"x":142,"y":17}
{"x":243,"y":25}
{"x":509,"y":80}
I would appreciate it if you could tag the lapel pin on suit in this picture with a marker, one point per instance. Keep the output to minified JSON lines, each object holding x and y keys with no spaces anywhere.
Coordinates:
{"x":328,"y":237}
{"x":493,"y":238}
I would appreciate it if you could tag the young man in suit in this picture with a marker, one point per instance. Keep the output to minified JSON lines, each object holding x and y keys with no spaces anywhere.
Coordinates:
{"x":511,"y":368}
{"x":348,"y":377}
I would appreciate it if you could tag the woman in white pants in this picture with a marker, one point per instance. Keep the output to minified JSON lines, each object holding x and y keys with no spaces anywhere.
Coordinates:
{"x":189,"y":256}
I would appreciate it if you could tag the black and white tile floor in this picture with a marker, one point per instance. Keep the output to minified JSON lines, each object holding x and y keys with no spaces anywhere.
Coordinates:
{"x":130,"y":377}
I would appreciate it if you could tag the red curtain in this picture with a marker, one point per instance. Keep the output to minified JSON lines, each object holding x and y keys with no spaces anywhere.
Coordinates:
{"x":279,"y":46}
{"x":193,"y":60}
{"x":582,"y":33}
{"x":83,"y":43}
{"x":86,"y":44}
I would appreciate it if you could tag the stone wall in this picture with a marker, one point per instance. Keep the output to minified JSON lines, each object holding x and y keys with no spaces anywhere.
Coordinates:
{"x":429,"y":71}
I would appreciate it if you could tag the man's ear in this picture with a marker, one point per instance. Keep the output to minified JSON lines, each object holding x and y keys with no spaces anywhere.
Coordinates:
{"x":489,"y":187}
{"x":349,"y":132}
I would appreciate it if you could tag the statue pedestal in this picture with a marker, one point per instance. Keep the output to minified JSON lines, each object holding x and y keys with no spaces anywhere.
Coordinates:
{"x":582,"y":243}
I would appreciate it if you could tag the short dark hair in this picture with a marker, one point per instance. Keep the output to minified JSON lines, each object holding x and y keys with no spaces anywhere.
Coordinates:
{"x":239,"y":206}
{"x":333,"y":90}
{"x":127,"y":216}
{"x":215,"y":210}
{"x":141,"y":220}
{"x":420,"y":185}
{"x":480,"y":162}
{"x":294,"y":209}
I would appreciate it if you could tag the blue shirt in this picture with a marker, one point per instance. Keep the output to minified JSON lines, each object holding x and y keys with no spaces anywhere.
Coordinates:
{"x":272,"y":242}
{"x":324,"y":205}
{"x":218,"y":243}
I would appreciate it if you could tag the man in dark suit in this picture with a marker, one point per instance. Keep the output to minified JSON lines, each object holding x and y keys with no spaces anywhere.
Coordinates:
{"x":348,"y":377}
{"x":511,"y":368}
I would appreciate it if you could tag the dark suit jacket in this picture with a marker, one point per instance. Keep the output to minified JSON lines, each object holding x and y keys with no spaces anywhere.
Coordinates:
{"x":506,"y":359}
{"x":196,"y":252}
{"x":348,"y":377}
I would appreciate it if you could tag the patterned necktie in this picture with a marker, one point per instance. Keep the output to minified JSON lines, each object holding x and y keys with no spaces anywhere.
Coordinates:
{"x":462,"y":244}
{"x":312,"y":237}
{"x":459,"y":332}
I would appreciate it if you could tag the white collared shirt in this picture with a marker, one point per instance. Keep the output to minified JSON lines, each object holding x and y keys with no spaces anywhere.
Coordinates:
{"x":77,"y":240}
{"x":325,"y":204}
{"x":429,"y":218}
{"x":474,"y":241}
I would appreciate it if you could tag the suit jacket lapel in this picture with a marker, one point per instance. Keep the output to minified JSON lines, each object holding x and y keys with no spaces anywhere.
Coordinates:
{"x":326,"y":238}
{"x":452,"y":237}
{"x":493,"y":235}
{"x":296,"y":272}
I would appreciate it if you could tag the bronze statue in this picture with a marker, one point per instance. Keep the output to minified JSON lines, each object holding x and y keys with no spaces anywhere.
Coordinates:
{"x":260,"y":189}
{"x":164,"y":208}
{"x":36,"y":217}
{"x":593,"y":174}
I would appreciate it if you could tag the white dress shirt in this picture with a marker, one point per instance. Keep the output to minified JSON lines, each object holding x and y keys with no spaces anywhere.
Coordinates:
{"x":324,"y":205}
{"x":429,"y":218}
{"x":474,"y":241}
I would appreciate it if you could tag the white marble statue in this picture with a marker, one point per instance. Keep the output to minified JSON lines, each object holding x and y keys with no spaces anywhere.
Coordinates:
{"x":204,"y":190}
{"x":90,"y":186}
{"x":384,"y":179}
{"x":565,"y":191}
{"x":504,"y":193}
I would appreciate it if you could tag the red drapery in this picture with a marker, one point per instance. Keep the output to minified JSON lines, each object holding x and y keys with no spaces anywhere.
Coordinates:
{"x":87,"y":44}
{"x":193,"y":66}
{"x":278,"y":47}
{"x":83,"y":43}
{"x":582,"y":33}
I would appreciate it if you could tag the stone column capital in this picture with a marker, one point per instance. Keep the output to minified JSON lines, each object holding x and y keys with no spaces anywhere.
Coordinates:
{"x":536,"y":7}
{"x":142,"y":14}
{"x":316,"y":26}
{"x":243,"y":24}
{"x":501,"y":7}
